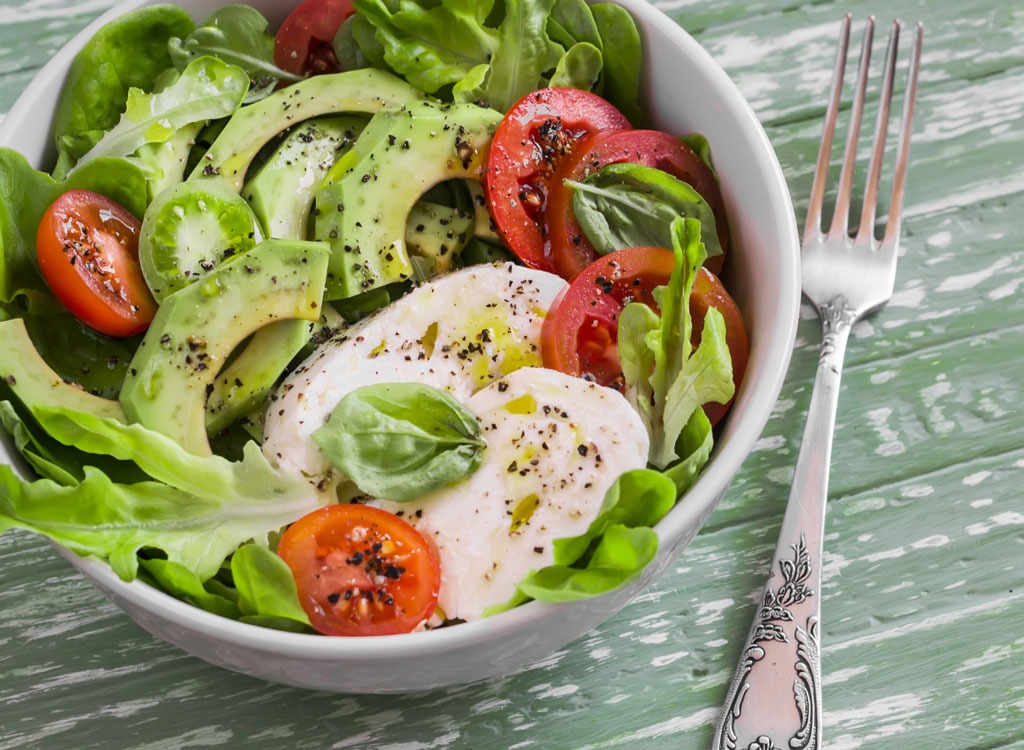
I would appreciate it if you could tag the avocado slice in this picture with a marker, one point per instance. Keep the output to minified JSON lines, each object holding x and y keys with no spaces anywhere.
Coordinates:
{"x":282,"y":190}
{"x":435,"y":236}
{"x":35,"y":383}
{"x":363,"y":206}
{"x":197,"y":327}
{"x":252,"y":126}
{"x":243,"y":384}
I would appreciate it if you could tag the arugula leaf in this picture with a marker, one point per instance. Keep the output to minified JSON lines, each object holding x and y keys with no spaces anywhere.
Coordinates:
{"x":129,"y":52}
{"x":666,"y":380}
{"x":399,"y":441}
{"x":238,"y":35}
{"x":615,"y":548}
{"x":630,"y":205}
{"x":206,"y":90}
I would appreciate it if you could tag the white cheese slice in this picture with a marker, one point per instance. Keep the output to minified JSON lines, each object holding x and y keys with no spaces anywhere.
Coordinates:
{"x":555,"y":444}
{"x":459,"y":333}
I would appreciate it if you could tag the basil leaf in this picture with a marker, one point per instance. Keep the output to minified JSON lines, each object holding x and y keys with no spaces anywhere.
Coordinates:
{"x":630,"y":205}
{"x":238,"y":35}
{"x":399,"y":441}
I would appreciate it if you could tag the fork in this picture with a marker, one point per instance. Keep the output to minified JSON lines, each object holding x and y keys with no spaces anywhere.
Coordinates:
{"x":774,"y":700}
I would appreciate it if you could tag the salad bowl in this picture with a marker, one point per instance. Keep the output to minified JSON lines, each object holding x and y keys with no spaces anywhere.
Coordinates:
{"x":683,"y":91}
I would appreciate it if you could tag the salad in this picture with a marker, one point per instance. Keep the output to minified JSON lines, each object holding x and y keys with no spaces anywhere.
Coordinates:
{"x":392,"y":318}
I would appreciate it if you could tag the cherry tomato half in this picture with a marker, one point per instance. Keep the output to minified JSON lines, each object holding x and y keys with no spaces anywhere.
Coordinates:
{"x":304,"y":45}
{"x":88,"y":251}
{"x":538,"y":132}
{"x":567,"y":244}
{"x":361,"y":570}
{"x":580,"y":333}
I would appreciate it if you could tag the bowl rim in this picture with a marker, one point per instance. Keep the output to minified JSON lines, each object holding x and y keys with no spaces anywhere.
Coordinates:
{"x":701,"y":498}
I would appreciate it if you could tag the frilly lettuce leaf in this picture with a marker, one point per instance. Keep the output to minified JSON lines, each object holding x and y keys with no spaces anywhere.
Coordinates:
{"x":199,"y":511}
{"x":666,"y":380}
{"x":239,"y":35}
{"x":207,"y":89}
{"x":129,"y":52}
{"x":434,"y":45}
{"x":496,"y":53}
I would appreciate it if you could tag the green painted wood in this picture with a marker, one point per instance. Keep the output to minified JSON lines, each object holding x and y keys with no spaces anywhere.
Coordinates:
{"x":923,"y":584}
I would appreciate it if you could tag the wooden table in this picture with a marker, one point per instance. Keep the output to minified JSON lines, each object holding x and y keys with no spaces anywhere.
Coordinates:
{"x":923,"y":607}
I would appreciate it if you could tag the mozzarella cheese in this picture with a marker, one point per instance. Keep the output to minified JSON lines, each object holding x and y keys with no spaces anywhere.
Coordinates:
{"x":459,"y":333}
{"x":555,"y":444}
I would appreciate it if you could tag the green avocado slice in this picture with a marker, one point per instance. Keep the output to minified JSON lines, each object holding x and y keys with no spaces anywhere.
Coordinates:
{"x":198,"y":327}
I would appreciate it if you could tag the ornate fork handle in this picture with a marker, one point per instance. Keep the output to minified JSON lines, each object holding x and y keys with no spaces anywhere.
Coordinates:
{"x":774,"y":700}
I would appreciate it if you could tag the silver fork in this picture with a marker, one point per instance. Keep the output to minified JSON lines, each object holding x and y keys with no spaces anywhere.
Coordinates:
{"x":774,"y":700}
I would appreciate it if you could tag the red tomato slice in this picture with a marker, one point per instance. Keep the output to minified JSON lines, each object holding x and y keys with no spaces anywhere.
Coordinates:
{"x":565,"y":241}
{"x":538,"y":132}
{"x":304,"y":45}
{"x":88,"y":251}
{"x":361,"y":570}
{"x":580,"y":333}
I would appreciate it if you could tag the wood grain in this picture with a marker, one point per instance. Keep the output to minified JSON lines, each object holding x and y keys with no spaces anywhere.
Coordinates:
{"x":924,"y":583}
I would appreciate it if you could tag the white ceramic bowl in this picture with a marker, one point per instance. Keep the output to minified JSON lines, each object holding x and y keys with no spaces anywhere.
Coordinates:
{"x":685,"y":91}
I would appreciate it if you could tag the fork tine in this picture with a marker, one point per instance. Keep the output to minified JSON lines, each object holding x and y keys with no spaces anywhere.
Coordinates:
{"x":865,"y":232}
{"x":812,"y":224}
{"x":892,"y":230}
{"x":841,"y":218}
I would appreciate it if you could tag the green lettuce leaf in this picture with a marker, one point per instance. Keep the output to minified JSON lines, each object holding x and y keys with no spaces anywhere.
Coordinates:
{"x":666,"y":380}
{"x":266,"y":589}
{"x":579,"y":68}
{"x":207,"y":89}
{"x":615,"y":548}
{"x":199,"y":511}
{"x":623,"y":67}
{"x":239,"y":35}
{"x":431,"y":45}
{"x":129,"y":52}
{"x":523,"y":55}
{"x":182,"y":583}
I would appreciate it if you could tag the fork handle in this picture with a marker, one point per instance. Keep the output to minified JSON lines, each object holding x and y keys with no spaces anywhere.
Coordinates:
{"x":774,"y":700}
